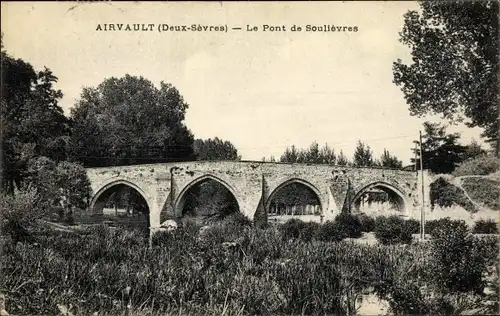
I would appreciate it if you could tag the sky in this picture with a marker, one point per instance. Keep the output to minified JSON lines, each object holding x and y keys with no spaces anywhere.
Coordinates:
{"x":263,"y":91}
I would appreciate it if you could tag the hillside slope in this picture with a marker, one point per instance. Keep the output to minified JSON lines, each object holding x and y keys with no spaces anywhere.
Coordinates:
{"x":482,"y":191}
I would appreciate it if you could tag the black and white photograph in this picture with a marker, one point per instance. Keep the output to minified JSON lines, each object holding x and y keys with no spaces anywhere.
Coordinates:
{"x":250,"y":158}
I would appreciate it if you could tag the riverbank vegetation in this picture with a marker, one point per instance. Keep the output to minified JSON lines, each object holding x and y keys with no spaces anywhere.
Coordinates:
{"x":234,"y":268}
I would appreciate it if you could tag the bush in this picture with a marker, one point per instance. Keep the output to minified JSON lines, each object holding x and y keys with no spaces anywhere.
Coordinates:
{"x":442,"y":223}
{"x":430,"y":225}
{"x":367,"y":223}
{"x":392,"y":230}
{"x":488,"y":226}
{"x":297,"y":229}
{"x":20,"y":213}
{"x":165,"y":239}
{"x":345,"y":225}
{"x":64,"y":182}
{"x":456,"y":258}
{"x":488,"y":248}
{"x":291,"y":229}
{"x":348,"y":226}
{"x":309,"y":231}
{"x":238,"y":219}
{"x":445,"y":194}
{"x":448,"y":225}
{"x":407,"y":299}
{"x":329,"y":231}
{"x":478,"y":166}
{"x":413,"y":225}
{"x":181,"y":274}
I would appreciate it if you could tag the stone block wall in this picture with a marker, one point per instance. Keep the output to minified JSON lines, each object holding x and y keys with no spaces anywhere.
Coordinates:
{"x":252,"y":183}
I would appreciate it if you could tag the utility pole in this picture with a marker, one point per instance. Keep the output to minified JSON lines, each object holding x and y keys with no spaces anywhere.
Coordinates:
{"x":415,"y":164}
{"x":422,"y":210}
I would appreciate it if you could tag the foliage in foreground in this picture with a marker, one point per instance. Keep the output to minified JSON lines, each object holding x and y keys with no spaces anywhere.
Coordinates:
{"x":487,"y":226}
{"x":16,"y":222}
{"x":343,"y":226}
{"x":232,"y":268}
{"x":458,"y":259}
{"x":392,"y":230}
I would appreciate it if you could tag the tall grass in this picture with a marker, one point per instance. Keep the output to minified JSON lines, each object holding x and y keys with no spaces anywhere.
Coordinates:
{"x":230,"y":269}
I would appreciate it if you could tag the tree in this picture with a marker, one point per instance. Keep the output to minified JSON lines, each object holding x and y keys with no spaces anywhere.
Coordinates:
{"x":63,"y":184}
{"x":390,"y":161}
{"x":32,"y":122}
{"x":363,"y":155}
{"x":127,"y":121}
{"x":313,"y":154}
{"x":215,"y":149}
{"x":342,"y":159}
{"x":455,"y":48}
{"x":327,"y":155}
{"x":41,"y":176}
{"x":473,"y":150}
{"x":440,"y":151}
{"x":290,"y":155}
{"x":73,"y":184}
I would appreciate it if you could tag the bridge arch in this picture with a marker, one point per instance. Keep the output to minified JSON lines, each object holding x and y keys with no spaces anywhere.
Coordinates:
{"x":303,"y":182}
{"x":181,"y":197}
{"x":403,"y":201}
{"x":109,"y":185}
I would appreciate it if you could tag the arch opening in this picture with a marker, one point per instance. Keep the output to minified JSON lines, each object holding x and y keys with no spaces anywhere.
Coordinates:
{"x":120,"y":204}
{"x":294,"y":199}
{"x":206,"y":201}
{"x":379,"y":199}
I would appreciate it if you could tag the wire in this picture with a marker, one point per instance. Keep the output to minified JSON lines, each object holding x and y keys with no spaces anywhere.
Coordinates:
{"x":163,"y":147}
{"x":127,"y":145}
{"x":120,"y":157}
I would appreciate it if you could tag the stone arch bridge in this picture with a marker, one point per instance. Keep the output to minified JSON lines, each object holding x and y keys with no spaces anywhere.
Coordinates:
{"x":164,"y":185}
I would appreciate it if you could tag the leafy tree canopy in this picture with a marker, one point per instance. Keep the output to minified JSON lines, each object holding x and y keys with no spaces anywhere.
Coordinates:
{"x":215,"y":149}
{"x":129,"y":121}
{"x":441,"y":152}
{"x":32,"y":122}
{"x":363,"y":155}
{"x":342,"y":160}
{"x":313,"y":154}
{"x":62,"y":184}
{"x":390,"y":161}
{"x":454,"y":73}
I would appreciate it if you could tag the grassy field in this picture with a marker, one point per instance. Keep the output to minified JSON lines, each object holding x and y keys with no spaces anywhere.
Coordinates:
{"x":232,"y":269}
